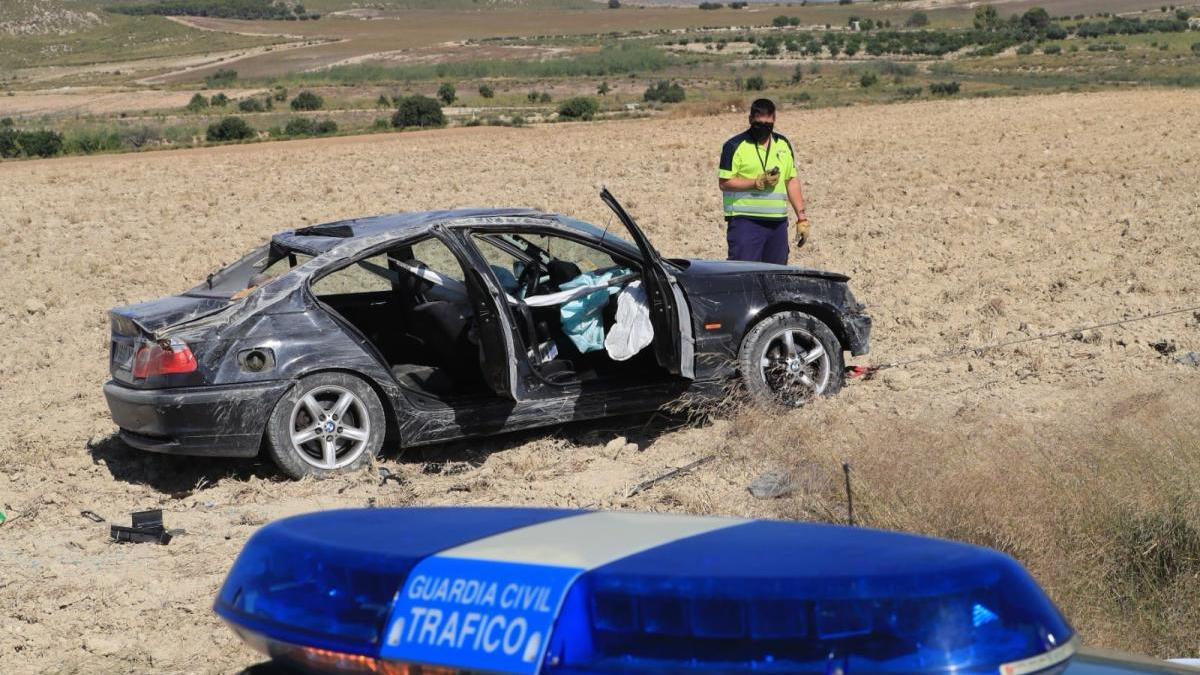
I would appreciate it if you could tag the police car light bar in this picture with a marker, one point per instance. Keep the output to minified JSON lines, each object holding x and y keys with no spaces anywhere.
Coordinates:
{"x":427,"y":591}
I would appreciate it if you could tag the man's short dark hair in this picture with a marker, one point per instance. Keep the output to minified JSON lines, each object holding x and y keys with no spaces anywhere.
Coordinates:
{"x":762,"y":107}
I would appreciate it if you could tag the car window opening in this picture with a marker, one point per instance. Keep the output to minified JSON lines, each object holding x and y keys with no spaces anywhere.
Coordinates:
{"x":412,"y":303}
{"x":564,"y":297}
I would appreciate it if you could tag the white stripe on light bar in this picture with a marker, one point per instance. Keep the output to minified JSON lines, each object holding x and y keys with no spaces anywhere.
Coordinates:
{"x":589,"y":540}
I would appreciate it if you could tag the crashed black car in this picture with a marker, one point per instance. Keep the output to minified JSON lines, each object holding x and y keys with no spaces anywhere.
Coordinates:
{"x":417,"y":328}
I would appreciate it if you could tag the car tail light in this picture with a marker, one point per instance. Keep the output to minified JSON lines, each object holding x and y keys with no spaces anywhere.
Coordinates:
{"x":165,"y":357}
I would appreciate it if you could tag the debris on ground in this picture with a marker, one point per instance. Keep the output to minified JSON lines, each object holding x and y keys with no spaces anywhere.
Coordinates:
{"x":771,"y":484}
{"x":385,"y":475}
{"x":147,"y":527}
{"x":647,"y":484}
{"x":1164,"y":347}
{"x":92,"y":516}
{"x":1189,"y":359}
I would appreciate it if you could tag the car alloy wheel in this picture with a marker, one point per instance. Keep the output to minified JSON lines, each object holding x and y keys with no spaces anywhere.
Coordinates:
{"x":795,"y":365}
{"x":330,"y":427}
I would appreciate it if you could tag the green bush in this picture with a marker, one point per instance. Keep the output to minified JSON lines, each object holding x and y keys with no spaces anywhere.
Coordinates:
{"x":418,"y":111}
{"x":1196,"y":47}
{"x":226,"y":9}
{"x":545,"y":97}
{"x":517,"y":121}
{"x":381,"y":123}
{"x":868,"y":79}
{"x":219,"y":101}
{"x":229,"y":129}
{"x":41,"y":143}
{"x":1052,"y":49}
{"x":199,"y":102}
{"x":486,"y":91}
{"x":87,"y":142}
{"x":306,"y":100}
{"x":222,"y":78}
{"x":909,"y":92}
{"x":665,"y":92}
{"x":446,"y":93}
{"x":578,"y":108}
{"x":755,"y":83}
{"x":944,"y":88}
{"x":251,"y":105}
{"x":136,"y":138}
{"x":8,"y":142}
{"x":325,"y":127}
{"x":917,"y":20}
{"x":279,"y":93}
{"x":298,"y":126}
{"x":1025,"y":49}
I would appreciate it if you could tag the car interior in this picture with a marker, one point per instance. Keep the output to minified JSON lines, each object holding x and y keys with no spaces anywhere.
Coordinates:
{"x":412,"y":303}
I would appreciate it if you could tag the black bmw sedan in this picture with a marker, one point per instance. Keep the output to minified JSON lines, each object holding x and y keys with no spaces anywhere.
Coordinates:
{"x":416,"y":328}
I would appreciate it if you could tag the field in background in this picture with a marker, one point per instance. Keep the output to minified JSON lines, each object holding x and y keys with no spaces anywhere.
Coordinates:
{"x":961,"y":222}
{"x":514,"y":64}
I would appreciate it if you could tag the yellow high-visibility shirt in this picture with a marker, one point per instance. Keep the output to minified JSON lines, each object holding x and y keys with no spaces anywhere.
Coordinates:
{"x":741,"y":157}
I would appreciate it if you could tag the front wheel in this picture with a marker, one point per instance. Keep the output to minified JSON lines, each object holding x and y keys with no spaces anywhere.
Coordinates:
{"x":790,"y":358}
{"x":328,"y":423}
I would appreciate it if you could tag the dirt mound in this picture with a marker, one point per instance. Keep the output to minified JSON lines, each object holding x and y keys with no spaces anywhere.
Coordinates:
{"x":963,"y":222}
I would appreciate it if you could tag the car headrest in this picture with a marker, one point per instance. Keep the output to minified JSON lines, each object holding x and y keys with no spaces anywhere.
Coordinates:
{"x":562,"y":271}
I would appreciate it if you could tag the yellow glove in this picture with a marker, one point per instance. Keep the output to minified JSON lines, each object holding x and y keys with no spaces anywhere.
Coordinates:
{"x":766,"y":181}
{"x":802,"y":231}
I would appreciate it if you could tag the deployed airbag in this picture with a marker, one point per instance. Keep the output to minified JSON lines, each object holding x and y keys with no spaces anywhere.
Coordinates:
{"x":582,"y":317}
{"x":633,"y":330}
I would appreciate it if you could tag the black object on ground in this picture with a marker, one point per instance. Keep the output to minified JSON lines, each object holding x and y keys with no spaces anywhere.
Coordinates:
{"x":147,"y":527}
{"x":92,"y":516}
{"x":646,"y":485}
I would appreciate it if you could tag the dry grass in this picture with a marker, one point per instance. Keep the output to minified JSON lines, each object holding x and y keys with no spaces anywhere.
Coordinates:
{"x":1101,"y":506}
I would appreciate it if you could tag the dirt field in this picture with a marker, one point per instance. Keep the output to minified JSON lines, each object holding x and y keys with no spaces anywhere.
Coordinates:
{"x":962,"y":222}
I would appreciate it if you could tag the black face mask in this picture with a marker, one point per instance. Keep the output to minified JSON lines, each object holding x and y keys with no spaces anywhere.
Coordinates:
{"x":761,"y":131}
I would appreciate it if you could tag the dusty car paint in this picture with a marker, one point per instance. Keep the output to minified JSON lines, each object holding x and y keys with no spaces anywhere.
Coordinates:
{"x":285,"y":330}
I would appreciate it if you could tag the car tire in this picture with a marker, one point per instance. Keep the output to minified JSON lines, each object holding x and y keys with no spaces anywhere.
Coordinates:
{"x":814,"y":366}
{"x":329,"y":423}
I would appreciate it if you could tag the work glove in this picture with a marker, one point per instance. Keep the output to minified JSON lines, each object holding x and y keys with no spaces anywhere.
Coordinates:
{"x":802,"y":230}
{"x":766,"y":181}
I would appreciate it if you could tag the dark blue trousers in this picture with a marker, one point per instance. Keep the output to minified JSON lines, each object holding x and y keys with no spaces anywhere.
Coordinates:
{"x":758,"y":240}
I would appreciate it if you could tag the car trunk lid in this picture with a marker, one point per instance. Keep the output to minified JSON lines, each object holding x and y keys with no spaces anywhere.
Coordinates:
{"x":136,"y":325}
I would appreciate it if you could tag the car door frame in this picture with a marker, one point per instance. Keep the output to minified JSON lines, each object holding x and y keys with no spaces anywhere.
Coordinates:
{"x":504,"y":386}
{"x":669,"y":310}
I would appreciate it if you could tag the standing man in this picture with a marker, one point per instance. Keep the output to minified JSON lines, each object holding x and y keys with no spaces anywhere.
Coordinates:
{"x":758,"y":180}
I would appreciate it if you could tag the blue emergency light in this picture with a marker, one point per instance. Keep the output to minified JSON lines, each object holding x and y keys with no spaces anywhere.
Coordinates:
{"x":511,"y":590}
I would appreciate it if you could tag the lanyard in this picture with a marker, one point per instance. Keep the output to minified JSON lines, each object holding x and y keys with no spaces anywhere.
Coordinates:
{"x":762,"y":159}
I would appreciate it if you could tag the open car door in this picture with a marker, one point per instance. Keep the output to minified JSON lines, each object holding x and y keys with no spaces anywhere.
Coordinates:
{"x":673,"y":342}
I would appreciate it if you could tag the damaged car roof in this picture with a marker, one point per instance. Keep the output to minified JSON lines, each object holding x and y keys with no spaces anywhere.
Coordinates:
{"x":318,"y":239}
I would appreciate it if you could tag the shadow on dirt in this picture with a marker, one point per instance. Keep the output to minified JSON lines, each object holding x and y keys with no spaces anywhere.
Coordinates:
{"x":176,"y":476}
{"x":180,"y":476}
{"x":644,"y":429}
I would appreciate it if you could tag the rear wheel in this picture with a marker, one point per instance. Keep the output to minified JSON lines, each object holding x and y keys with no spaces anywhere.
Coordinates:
{"x":790,"y":358}
{"x":328,"y":423}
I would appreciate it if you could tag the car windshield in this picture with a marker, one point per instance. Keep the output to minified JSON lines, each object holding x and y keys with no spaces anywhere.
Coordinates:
{"x":251,"y":271}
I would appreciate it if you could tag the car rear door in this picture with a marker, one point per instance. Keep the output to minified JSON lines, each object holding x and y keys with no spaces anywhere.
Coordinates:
{"x":674,"y":345}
